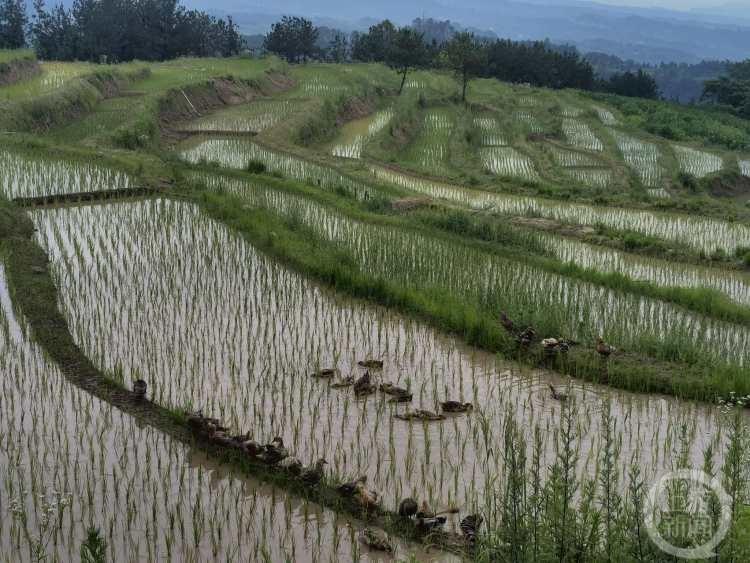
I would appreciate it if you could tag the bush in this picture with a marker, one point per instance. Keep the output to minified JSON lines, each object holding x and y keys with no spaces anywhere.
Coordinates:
{"x":255,"y":167}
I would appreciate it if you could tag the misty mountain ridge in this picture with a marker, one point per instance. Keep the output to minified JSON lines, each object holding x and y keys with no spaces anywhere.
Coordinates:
{"x":648,"y":35}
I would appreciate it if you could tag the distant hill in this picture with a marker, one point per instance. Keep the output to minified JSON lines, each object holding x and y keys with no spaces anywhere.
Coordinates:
{"x":643,"y":35}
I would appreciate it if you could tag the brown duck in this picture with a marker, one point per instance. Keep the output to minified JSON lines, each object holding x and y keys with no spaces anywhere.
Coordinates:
{"x":456,"y":407}
{"x":604,"y":349}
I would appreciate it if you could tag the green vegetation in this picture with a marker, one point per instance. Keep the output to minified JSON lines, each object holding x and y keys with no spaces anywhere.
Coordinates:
{"x":267,"y":255}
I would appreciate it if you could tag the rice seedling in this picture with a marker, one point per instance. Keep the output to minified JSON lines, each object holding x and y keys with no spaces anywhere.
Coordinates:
{"x":659,"y":193}
{"x":745,"y":168}
{"x":701,"y":233}
{"x":355,"y":135}
{"x":591,"y":177}
{"x":241,"y":153}
{"x":697,"y":163}
{"x":430,"y":150}
{"x":30,"y":177}
{"x":570,"y":159}
{"x":317,"y":86}
{"x":239,"y":334}
{"x":253,"y":118}
{"x":735,"y":285}
{"x":528,"y":101}
{"x":492,"y":133}
{"x":580,"y":135}
{"x":529,"y":121}
{"x":507,"y":161}
{"x":69,"y":461}
{"x":605,"y":116}
{"x":490,"y":282}
{"x":571,"y":111}
{"x":643,"y":158}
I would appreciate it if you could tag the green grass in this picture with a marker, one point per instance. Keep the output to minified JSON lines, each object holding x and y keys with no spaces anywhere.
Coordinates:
{"x":8,"y":55}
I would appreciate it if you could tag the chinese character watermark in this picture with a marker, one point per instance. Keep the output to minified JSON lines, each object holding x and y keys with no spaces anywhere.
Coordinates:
{"x":688,"y":514}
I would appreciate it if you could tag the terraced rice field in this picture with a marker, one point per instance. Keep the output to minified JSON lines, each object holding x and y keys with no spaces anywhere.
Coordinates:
{"x":571,"y":111}
{"x":528,"y":120}
{"x":701,"y":233}
{"x":54,"y":76}
{"x":252,"y":118}
{"x":240,"y":153}
{"x":431,"y":148}
{"x":492,"y":134}
{"x":248,"y":317}
{"x":508,"y":162}
{"x":591,"y":177}
{"x":643,"y":158}
{"x":354,"y":135}
{"x":495,"y":283}
{"x":28,"y":177}
{"x":697,"y":163}
{"x":320,"y":87}
{"x":580,"y":135}
{"x":68,"y":460}
{"x":605,"y":116}
{"x":733,"y":284}
{"x":571,"y":159}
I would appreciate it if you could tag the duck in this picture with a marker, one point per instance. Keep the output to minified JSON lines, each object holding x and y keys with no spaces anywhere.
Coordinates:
{"x":526,"y":337}
{"x":423,"y":415}
{"x":350,"y":488}
{"x":325,"y":373}
{"x":363,"y":382}
{"x":313,"y":475}
{"x":366,"y":498}
{"x":425,"y":511}
{"x":370,"y":364}
{"x":391,"y":389}
{"x":470,"y":526}
{"x":405,"y":398}
{"x":251,"y":447}
{"x":557,"y":395}
{"x":507,"y":323}
{"x":427,"y":525}
{"x":274,"y":452}
{"x":376,"y":539}
{"x":456,"y":407}
{"x":408,"y":508}
{"x":292,"y":465}
{"x":604,"y":349}
{"x":348,"y":381}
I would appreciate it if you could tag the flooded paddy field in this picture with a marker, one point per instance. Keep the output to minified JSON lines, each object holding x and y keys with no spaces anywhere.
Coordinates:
{"x":69,"y":461}
{"x":239,"y":336}
{"x":24,"y":176}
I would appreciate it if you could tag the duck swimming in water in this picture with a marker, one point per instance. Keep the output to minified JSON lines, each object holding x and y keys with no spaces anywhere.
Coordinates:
{"x":423,"y":415}
{"x":376,"y":539}
{"x":456,"y":407}
{"x":350,"y":488}
{"x":274,"y":452}
{"x":326,"y":373}
{"x":408,"y":508}
{"x":370,"y":364}
{"x":558,"y":395}
{"x":313,"y":475}
{"x":348,"y":381}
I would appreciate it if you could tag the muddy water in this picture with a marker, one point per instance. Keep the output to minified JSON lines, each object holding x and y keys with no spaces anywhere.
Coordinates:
{"x":153,"y":499}
{"x":482,"y":278}
{"x":156,"y":289}
{"x":354,"y":135}
{"x":734,"y":284}
{"x":700,"y":233}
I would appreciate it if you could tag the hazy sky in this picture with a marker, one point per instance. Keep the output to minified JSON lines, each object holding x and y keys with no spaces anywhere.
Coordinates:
{"x":675,"y":4}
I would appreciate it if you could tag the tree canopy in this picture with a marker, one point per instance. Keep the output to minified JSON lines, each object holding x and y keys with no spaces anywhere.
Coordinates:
{"x":12,"y":24}
{"x":123,"y":30}
{"x":732,"y":90}
{"x":466,"y":57}
{"x":407,"y":51}
{"x":293,"y":39}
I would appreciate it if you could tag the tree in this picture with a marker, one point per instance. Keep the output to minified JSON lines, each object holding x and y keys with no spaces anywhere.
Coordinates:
{"x":293,"y":39}
{"x":123,"y":30}
{"x":466,"y":57}
{"x":12,"y":24}
{"x":338,"y":48}
{"x":373,"y":46}
{"x":407,"y":52}
{"x":634,"y":85}
{"x":732,"y":90}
